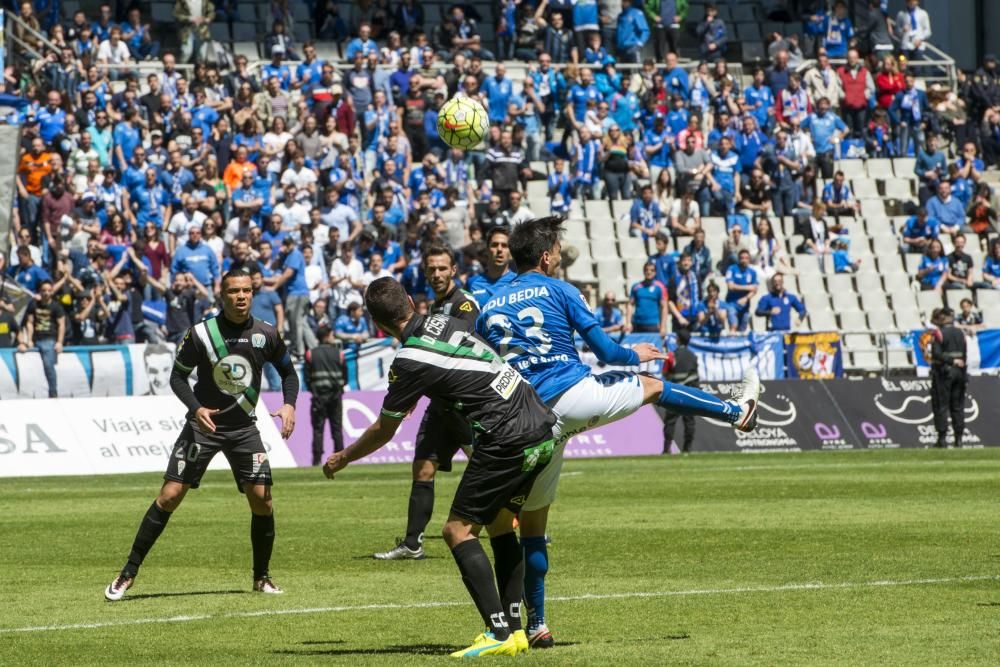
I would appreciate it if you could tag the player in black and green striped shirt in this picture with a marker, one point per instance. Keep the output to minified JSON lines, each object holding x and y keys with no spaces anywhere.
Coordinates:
{"x":443,"y":359}
{"x":228,"y":352}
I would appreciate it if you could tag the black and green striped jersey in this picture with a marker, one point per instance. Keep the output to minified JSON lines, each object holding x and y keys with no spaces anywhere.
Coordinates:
{"x":229,"y":359}
{"x":442,"y":358}
{"x":458,"y":303}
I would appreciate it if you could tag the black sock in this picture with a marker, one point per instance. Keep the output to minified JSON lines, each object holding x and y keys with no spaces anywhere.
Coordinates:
{"x":477,"y":575}
{"x":419,"y":515}
{"x":262,"y":539}
{"x":150,"y":527}
{"x":508,"y":562}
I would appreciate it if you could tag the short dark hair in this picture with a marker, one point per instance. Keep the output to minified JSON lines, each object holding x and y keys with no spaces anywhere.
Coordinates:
{"x":530,"y":239}
{"x":386,"y":301}
{"x":241,"y":272}
{"x":438,"y":249}
{"x":683,"y":336}
{"x":497,"y":229}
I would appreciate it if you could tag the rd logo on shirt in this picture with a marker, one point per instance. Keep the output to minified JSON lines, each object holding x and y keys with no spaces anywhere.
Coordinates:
{"x":233,"y":374}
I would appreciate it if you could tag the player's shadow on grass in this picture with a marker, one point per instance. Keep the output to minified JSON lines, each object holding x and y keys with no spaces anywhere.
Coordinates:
{"x":179,"y":594}
{"x":401,"y":649}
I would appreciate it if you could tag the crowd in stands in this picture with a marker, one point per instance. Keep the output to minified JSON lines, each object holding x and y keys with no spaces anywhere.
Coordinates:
{"x":136,"y":192}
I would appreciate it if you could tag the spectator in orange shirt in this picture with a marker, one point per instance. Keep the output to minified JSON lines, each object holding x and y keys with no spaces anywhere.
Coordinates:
{"x":35,"y":165}
{"x":233,"y":176}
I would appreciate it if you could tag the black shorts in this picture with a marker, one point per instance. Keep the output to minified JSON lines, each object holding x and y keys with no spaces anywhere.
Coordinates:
{"x":195,"y":449}
{"x":442,"y":433}
{"x":499,"y":478}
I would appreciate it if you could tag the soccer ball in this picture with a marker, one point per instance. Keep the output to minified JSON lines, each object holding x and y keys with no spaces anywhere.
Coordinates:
{"x":463,"y":123}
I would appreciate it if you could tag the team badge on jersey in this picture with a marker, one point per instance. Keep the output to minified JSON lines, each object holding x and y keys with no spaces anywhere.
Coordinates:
{"x":233,"y":375}
{"x":466,"y":307}
{"x":258,"y":340}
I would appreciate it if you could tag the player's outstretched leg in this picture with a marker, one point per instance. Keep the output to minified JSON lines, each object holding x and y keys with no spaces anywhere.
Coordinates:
{"x":261,"y":536}
{"x":152,"y":524}
{"x":741,"y":411}
{"x":421,"y":507}
{"x":478,"y":577}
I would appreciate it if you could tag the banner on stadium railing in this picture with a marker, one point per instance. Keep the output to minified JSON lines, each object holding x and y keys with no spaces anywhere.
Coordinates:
{"x":639,"y":435}
{"x":982,"y":351}
{"x":95,"y":436}
{"x":814,"y":356}
{"x":720,"y":359}
{"x":725,"y":358}
{"x":850,"y":414}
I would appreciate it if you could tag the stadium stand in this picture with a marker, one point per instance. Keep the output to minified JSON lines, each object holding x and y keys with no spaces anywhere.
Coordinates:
{"x":82,"y":89}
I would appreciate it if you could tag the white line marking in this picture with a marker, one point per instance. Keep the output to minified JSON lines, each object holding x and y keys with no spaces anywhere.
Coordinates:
{"x":806,"y":586}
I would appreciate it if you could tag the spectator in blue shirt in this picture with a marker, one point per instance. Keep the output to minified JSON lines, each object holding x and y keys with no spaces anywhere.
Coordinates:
{"x":498,"y":90}
{"x":127,"y":138}
{"x":838,"y":30}
{"x":991,"y":266}
{"x":352,"y":327}
{"x":712,"y":316}
{"x":750,"y":143}
{"x":645,"y":215}
{"x":51,"y":118}
{"x":663,"y":260}
{"x":930,"y":168}
{"x":919,"y":231}
{"x":610,"y":315}
{"x":675,"y":78}
{"x":293,"y":279}
{"x":760,"y":103}
{"x":826,"y":129}
{"x":933,"y":267}
{"x":198,"y":259}
{"x":946,"y":209}
{"x":908,"y":112}
{"x":202,"y":114}
{"x":26,"y":273}
{"x":724,"y":179}
{"x":267,"y":307}
{"x":633,"y":32}
{"x":648,"y":300}
{"x":362,"y":44}
{"x":713,"y":35}
{"x":777,"y":306}
{"x":741,"y":279}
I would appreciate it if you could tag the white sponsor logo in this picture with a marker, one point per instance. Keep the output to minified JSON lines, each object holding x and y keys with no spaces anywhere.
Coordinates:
{"x":258,"y":460}
{"x":920,"y":412}
{"x":506,"y":382}
{"x":233,"y":374}
{"x":181,"y":464}
{"x":258,"y":340}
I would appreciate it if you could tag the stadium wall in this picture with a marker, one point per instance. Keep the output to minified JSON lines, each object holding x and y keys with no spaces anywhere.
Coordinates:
{"x":88,"y":436}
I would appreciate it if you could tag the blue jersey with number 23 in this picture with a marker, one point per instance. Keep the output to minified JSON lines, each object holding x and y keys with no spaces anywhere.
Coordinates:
{"x":530,"y":322}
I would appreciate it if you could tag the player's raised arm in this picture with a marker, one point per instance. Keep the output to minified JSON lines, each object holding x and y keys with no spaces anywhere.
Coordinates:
{"x":587,"y":325}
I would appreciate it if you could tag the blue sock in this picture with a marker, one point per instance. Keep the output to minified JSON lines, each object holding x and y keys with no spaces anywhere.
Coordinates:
{"x":693,"y":401}
{"x":536,"y":565}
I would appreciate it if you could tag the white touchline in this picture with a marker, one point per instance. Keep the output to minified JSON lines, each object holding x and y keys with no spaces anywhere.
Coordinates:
{"x":807,"y":586}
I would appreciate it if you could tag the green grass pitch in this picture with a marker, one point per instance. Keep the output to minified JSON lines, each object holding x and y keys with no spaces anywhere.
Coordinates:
{"x":863,"y":558}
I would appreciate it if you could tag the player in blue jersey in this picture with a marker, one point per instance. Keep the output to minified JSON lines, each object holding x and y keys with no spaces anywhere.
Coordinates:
{"x":531,"y":323}
{"x":497,"y":272}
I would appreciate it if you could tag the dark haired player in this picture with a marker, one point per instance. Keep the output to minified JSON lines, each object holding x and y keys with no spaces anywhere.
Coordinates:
{"x":497,"y":272}
{"x":443,"y":431}
{"x":228,"y":352}
{"x":531,"y":324}
{"x":441,"y":358}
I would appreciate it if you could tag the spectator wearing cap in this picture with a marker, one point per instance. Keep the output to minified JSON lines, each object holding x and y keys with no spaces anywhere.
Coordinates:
{"x":196,"y":258}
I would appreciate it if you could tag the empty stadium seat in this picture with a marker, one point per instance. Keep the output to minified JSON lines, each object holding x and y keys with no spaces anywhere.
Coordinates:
{"x":853,"y":169}
{"x":881,"y":319}
{"x":898,"y":188}
{"x":822,"y":320}
{"x":879,"y":168}
{"x":898,"y":360}
{"x":852,"y":320}
{"x":865,"y":360}
{"x":864,"y":188}
{"x":928,"y":301}
{"x":903,"y":166}
{"x":873,"y":300}
{"x":582,"y":270}
{"x":858,"y":342}
{"x":633,"y":247}
{"x":575,"y":229}
{"x":844,"y":301}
